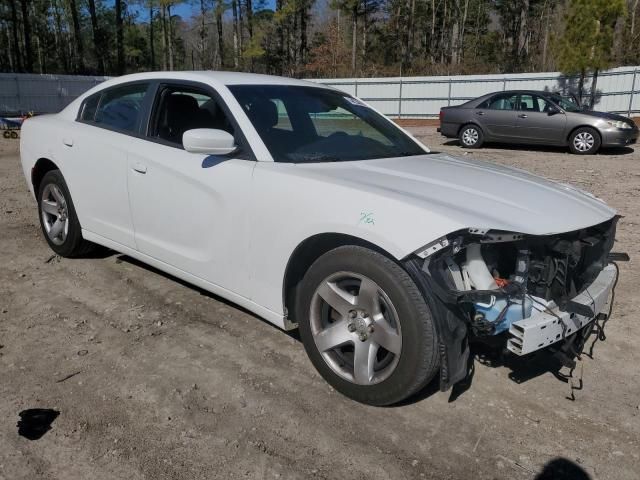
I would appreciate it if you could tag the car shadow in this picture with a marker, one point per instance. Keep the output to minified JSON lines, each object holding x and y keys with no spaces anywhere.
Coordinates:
{"x":121,"y":258}
{"x":490,"y":352}
{"x":539,"y":148}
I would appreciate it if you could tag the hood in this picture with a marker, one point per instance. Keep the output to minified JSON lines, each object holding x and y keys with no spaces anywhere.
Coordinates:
{"x":470,"y":193}
{"x":606,"y":116}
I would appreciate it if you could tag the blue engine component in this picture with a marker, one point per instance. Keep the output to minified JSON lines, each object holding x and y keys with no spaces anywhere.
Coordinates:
{"x":492,"y":312}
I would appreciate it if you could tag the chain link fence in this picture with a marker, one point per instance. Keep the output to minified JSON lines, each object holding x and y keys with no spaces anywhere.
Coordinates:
{"x":618,"y":90}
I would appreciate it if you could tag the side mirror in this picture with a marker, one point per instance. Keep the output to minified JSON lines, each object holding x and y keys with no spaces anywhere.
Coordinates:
{"x":208,"y":141}
{"x":553,"y":110}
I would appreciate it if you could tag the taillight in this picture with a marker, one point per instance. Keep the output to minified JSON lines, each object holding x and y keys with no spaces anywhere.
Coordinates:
{"x":441,"y":115}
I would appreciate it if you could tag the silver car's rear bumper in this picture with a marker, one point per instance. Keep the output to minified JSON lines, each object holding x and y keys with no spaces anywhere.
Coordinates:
{"x":543,"y":328}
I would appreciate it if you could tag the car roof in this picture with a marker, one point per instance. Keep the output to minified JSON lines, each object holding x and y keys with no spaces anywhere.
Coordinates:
{"x":536,"y":92}
{"x":211,"y":77}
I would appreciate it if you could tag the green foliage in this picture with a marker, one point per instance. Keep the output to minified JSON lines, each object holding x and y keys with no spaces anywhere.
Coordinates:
{"x":587,"y":41}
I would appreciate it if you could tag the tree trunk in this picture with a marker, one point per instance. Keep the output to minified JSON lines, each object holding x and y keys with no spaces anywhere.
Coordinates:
{"x":170,"y":36}
{"x":77,"y":34}
{"x":249,"y":4}
{"x":236,"y":55}
{"x":581,"y":85}
{"x":165,"y":39}
{"x":365,"y":24}
{"x":354,"y":37}
{"x":16,"y":44}
{"x":151,"y":42}
{"x":119,"y":39}
{"x":303,"y":33}
{"x":26,"y":28}
{"x":97,"y":40}
{"x":219,"y":30}
{"x":545,"y":40}
{"x":60,"y":47}
{"x":594,"y":89}
{"x":455,"y":33}
{"x":280,"y":40}
{"x":203,"y":35}
{"x":462,"y":31}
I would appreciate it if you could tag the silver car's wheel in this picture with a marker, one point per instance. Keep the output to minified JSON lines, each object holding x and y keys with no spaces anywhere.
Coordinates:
{"x":55,"y":214}
{"x":470,"y":136}
{"x":584,"y":141}
{"x":356,"y":328}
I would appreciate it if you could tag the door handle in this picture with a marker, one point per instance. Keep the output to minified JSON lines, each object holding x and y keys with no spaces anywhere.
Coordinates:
{"x":479,"y":113}
{"x":68,"y":142}
{"x":522,"y":116}
{"x":140,"y":168}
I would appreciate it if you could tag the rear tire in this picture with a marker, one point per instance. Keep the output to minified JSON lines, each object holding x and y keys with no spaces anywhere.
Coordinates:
{"x":366,"y":327}
{"x":471,"y":136}
{"x":58,"y":218}
{"x":584,"y":141}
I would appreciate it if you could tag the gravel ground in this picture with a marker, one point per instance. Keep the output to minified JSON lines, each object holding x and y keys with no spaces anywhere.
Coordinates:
{"x":155,"y":379}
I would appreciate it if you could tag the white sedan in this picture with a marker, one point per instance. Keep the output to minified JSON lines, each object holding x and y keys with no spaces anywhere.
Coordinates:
{"x":309,"y":208}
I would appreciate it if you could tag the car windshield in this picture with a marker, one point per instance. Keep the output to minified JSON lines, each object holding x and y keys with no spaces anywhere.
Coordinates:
{"x":311,"y":124}
{"x":566,"y":103}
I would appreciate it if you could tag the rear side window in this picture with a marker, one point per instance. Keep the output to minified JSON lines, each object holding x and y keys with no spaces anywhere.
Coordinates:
{"x":120,"y":108}
{"x":500,"y":102}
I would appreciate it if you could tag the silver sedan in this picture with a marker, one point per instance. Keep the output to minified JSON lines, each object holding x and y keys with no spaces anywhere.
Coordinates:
{"x":534,"y":117}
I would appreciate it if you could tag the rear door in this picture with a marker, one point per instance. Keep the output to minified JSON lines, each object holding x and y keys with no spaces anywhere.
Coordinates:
{"x":538,"y":122}
{"x":97,"y":146}
{"x":497,"y":116}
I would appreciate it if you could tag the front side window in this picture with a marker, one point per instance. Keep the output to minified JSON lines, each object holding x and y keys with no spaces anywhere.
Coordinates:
{"x":179,"y":109}
{"x":120,"y":107}
{"x":310,"y":124}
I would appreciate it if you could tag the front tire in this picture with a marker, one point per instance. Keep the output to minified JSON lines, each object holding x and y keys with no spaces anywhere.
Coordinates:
{"x":584,"y":141}
{"x":471,"y":136}
{"x":366,"y":327}
{"x":58,"y":218}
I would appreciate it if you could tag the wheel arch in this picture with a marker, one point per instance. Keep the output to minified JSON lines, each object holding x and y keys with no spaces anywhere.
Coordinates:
{"x":40,"y":169}
{"x":470,"y":122}
{"x":308,"y":251}
{"x":572,"y":131}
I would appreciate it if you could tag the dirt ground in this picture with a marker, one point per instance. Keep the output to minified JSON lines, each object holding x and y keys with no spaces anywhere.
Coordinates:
{"x":155,"y":379}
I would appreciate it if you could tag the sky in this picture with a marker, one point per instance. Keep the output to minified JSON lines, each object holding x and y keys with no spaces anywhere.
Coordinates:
{"x":186,"y":9}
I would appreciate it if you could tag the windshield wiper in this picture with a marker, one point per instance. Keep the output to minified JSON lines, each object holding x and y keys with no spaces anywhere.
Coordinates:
{"x":312,"y":158}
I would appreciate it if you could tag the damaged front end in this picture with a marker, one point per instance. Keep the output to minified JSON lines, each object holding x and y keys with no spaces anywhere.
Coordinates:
{"x":535,"y":290}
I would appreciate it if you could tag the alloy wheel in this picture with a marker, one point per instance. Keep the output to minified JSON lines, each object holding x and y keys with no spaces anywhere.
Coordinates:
{"x":55,"y":214}
{"x":356,"y":328}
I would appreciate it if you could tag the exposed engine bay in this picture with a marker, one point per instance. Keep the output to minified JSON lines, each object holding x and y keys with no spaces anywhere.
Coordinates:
{"x":538,"y":289}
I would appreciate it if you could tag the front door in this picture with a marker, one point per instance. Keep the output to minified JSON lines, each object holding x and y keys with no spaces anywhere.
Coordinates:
{"x":189,"y":210}
{"x":538,"y":122}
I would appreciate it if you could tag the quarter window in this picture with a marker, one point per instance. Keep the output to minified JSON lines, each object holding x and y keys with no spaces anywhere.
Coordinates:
{"x":120,"y":107}
{"x":89,"y":108}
